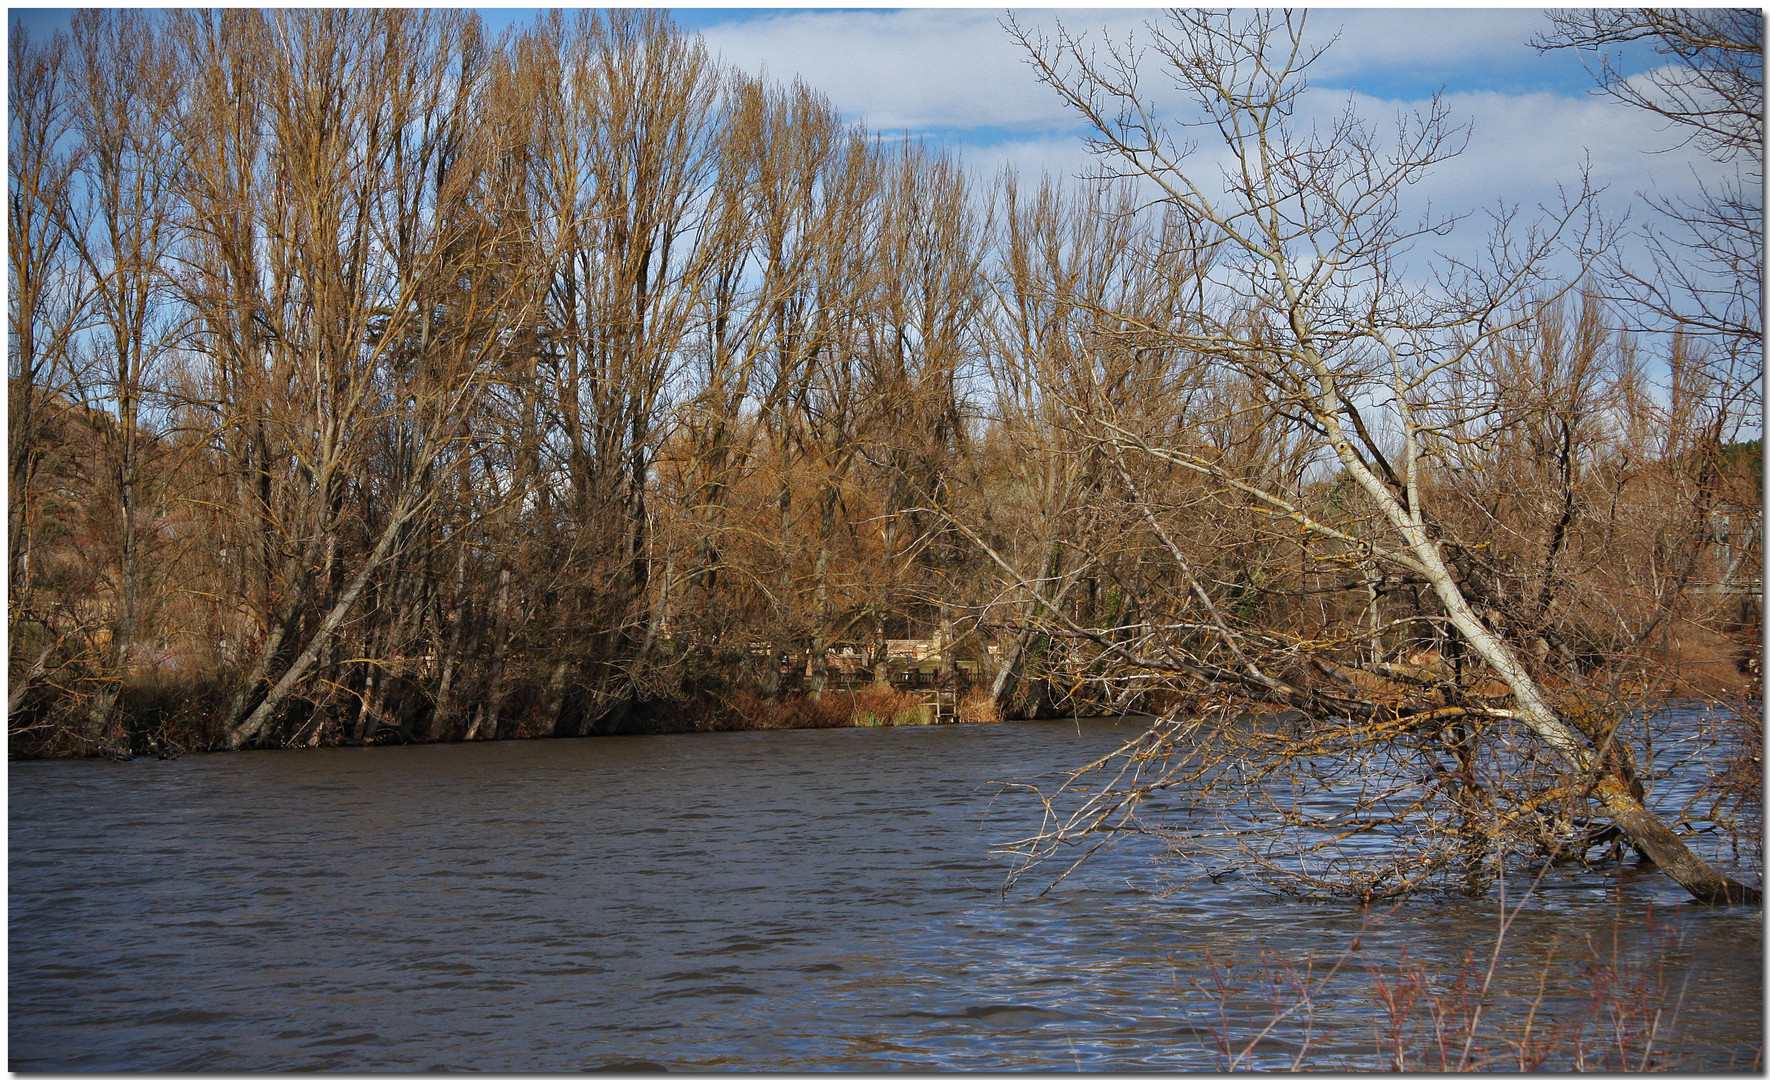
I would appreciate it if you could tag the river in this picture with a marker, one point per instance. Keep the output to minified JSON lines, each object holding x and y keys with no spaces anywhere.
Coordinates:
{"x":778,"y":901}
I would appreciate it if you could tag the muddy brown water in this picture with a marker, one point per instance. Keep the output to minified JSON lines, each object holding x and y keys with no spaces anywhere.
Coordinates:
{"x":777,"y":901}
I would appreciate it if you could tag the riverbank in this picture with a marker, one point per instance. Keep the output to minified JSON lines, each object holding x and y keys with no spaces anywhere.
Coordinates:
{"x":168,"y":720}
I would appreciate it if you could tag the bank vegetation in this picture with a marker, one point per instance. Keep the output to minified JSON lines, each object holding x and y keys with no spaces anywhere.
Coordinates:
{"x":374,"y":380}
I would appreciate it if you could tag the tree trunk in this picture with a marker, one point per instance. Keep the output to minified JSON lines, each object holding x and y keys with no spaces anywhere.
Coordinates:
{"x":493,"y":701}
{"x":248,"y":729}
{"x":1006,"y":687}
{"x":1648,"y":832}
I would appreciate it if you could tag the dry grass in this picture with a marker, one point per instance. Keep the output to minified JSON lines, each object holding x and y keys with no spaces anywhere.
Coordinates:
{"x":874,"y":706}
{"x":979,"y":707}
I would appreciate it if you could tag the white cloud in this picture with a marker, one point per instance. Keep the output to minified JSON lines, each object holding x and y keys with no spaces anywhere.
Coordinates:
{"x":915,"y":69}
{"x":1521,"y":139}
{"x":949,"y":68}
{"x":955,"y":72}
{"x":1065,"y":157}
{"x":1388,"y":39}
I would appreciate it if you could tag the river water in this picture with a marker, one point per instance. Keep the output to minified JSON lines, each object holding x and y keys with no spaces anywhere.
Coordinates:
{"x":779,"y":901}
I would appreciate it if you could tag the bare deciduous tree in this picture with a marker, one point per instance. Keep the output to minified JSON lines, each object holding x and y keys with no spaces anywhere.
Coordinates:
{"x":46,"y":308}
{"x":1309,"y":300}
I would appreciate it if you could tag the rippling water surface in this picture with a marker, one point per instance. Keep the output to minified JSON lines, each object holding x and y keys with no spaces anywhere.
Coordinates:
{"x":805,"y":900}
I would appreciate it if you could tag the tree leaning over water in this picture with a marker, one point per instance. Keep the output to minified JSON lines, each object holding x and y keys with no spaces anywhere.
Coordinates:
{"x":1388,"y":378}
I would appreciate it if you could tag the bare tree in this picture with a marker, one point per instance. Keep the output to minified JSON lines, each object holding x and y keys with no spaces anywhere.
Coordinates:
{"x":122,"y":231}
{"x":921,"y":338}
{"x":1309,"y":300}
{"x":1073,"y":267}
{"x":827,"y":405}
{"x":46,"y":308}
{"x":322,"y":273}
{"x":716,"y":437}
{"x":813,"y":187}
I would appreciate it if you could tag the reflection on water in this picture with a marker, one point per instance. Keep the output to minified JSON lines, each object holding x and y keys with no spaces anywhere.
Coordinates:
{"x":775,"y":901}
